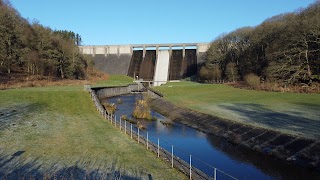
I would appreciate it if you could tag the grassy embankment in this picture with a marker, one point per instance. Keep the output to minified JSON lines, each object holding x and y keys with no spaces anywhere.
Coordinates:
{"x":57,"y":130}
{"x":291,"y":113}
{"x":115,"y":80}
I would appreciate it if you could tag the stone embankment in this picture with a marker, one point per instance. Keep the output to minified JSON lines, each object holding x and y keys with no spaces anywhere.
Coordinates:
{"x":293,"y":149}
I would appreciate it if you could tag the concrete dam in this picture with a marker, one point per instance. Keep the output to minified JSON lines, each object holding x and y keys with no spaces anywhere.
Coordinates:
{"x":158,"y":63}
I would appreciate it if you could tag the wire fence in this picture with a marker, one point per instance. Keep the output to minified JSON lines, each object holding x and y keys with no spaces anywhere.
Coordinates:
{"x":175,"y":156}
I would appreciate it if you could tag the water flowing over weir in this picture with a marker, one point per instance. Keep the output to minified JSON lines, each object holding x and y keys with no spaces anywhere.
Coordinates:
{"x":189,"y":64}
{"x":148,"y":65}
{"x":183,"y":64}
{"x":175,"y":65}
{"x":143,"y":67}
{"x":134,"y":68}
{"x":164,"y":65}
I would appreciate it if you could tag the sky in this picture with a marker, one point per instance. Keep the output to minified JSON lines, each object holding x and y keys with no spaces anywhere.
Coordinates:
{"x":115,"y":22}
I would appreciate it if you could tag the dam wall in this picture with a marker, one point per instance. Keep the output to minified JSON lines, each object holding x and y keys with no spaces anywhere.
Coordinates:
{"x":110,"y":59}
{"x":141,"y":61}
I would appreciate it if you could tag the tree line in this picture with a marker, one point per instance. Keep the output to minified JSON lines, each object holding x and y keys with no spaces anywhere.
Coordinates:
{"x":284,"y":49}
{"x":30,"y":48}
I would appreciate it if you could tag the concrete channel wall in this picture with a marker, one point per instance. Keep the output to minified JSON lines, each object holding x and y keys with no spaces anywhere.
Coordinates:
{"x":105,"y":92}
{"x":153,"y":94}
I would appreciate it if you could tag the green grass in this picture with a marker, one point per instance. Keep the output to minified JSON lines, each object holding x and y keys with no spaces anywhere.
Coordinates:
{"x":287,"y":112}
{"x":56,"y":128}
{"x":115,"y":80}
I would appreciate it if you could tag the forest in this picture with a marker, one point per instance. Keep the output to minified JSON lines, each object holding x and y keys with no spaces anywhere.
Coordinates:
{"x":282,"y":50}
{"x":31,"y":49}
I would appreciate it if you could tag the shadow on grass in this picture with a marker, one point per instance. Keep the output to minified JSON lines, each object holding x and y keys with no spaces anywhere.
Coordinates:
{"x":292,"y":121}
{"x":14,"y":114}
{"x":13,"y":167}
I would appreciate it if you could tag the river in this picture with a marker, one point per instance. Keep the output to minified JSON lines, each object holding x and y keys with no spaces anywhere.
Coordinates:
{"x":209,"y":151}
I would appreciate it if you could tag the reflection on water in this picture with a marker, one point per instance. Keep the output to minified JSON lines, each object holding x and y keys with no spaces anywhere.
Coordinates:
{"x":208,"y":151}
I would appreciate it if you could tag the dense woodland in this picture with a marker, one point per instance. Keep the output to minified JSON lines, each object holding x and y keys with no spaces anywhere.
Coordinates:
{"x":31,"y":49}
{"x":284,"y":49}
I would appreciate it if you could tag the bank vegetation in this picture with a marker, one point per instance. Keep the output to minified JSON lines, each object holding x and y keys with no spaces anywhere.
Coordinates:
{"x":33,"y":51}
{"x":281,"y":53}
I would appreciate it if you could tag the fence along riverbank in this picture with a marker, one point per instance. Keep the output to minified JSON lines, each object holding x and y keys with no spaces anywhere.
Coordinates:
{"x":143,"y":137}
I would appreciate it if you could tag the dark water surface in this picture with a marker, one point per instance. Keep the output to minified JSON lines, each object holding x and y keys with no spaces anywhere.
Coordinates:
{"x":209,"y":151}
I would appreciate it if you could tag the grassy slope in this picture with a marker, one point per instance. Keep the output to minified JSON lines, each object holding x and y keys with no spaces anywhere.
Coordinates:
{"x":56,"y":128}
{"x":115,"y":80}
{"x":288,"y":112}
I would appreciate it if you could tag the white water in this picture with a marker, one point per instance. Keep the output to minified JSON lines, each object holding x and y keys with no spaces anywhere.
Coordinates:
{"x":162,"y":68}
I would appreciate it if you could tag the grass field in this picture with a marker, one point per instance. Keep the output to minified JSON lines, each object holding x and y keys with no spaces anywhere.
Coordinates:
{"x":115,"y":80}
{"x":291,"y":113}
{"x":56,"y":131}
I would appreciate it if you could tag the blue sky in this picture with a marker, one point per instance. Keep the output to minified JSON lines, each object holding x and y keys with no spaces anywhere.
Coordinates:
{"x":108,"y":22}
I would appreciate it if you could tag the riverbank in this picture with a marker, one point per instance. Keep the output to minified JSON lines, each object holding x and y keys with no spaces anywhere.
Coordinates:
{"x":56,"y":132}
{"x":289,"y":148}
{"x":290,"y":113}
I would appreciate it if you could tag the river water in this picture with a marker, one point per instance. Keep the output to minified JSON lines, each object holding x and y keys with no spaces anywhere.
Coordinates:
{"x":209,"y":151}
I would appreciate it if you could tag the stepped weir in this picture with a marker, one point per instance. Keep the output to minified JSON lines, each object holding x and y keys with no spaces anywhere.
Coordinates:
{"x":155,"y":63}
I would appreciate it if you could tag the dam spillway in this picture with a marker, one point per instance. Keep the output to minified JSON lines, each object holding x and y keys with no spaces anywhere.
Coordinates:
{"x":183,"y":65}
{"x":147,"y":66}
{"x":143,"y":61}
{"x":175,"y":65}
{"x":134,"y":68}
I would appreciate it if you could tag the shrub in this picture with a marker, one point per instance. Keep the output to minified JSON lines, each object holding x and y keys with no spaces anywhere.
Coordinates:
{"x":252,"y":80}
{"x":142,"y":110}
{"x":110,"y":108}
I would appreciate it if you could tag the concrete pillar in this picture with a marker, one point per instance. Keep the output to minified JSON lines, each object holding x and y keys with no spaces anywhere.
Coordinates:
{"x":170,"y":51}
{"x":197,"y":51}
{"x":161,"y":68}
{"x":144,"y":52}
{"x":106,"y":51}
{"x":201,"y":49}
{"x":131,"y":50}
{"x":157,"y":50}
{"x":183,"y":51}
{"x":170,"y":55}
{"x":93,"y":51}
{"x":118,"y":51}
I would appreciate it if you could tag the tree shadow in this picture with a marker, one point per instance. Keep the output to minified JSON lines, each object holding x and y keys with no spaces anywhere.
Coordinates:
{"x":292,"y":121}
{"x":13,"y":167}
{"x":12,"y":115}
